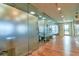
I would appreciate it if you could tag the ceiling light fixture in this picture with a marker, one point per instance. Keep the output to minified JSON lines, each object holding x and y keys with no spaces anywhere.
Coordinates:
{"x":62,"y":16}
{"x":59,"y":8}
{"x":43,"y":18}
{"x":32,"y":12}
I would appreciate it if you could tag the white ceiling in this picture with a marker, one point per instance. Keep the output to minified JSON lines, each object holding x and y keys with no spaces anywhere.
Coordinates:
{"x":67,"y":9}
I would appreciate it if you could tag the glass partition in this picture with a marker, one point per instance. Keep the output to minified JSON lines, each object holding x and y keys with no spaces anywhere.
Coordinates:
{"x":19,"y":30}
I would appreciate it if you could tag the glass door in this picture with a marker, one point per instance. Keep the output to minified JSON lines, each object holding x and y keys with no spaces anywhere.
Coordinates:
{"x":67,"y":29}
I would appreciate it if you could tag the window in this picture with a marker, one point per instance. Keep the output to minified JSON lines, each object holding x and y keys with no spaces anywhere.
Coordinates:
{"x":66,"y":28}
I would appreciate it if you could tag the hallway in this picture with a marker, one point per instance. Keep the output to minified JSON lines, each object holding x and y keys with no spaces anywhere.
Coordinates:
{"x":65,"y":46}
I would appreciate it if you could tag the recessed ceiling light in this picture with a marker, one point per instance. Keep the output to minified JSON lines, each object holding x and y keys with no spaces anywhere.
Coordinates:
{"x":32,"y":12}
{"x":43,"y":18}
{"x":62,"y":16}
{"x":59,"y":8}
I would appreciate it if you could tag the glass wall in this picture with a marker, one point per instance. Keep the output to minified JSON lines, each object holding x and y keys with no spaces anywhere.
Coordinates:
{"x":21,"y":29}
{"x":47,"y":28}
{"x":18,"y":31}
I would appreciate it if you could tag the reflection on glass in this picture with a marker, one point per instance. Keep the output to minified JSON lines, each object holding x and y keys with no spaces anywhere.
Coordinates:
{"x":21,"y":29}
{"x":10,"y":38}
{"x":77,"y":41}
{"x":54,"y":40}
{"x":67,"y":45}
{"x":6,"y":29}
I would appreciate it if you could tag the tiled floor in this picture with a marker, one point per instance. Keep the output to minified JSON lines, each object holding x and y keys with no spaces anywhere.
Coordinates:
{"x":64,"y":46}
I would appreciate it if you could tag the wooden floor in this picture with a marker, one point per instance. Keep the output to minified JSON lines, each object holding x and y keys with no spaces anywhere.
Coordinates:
{"x":59,"y":46}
